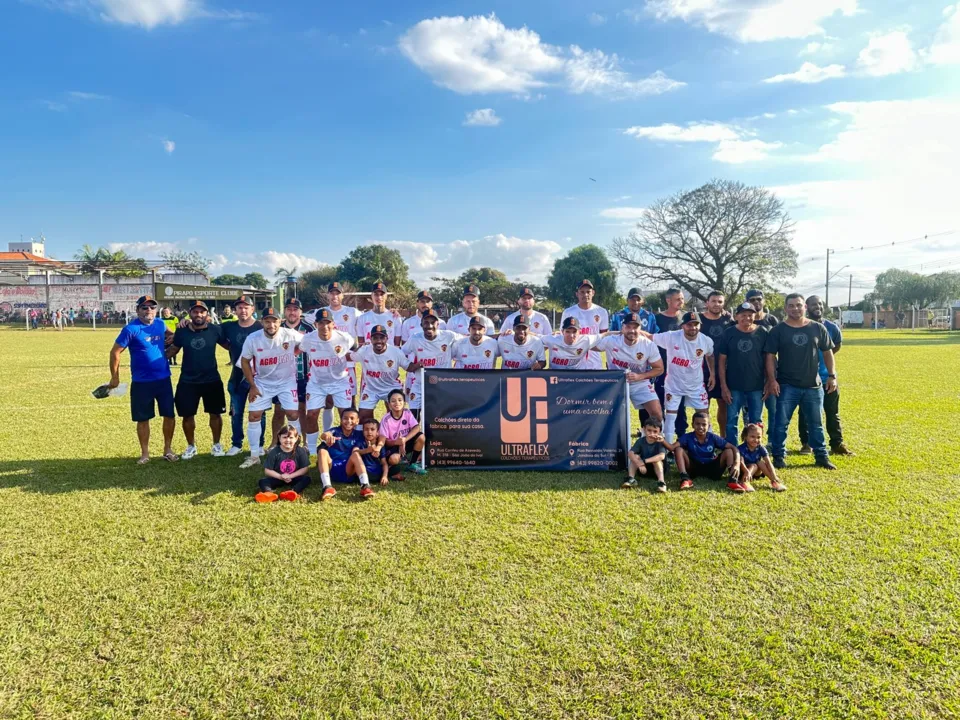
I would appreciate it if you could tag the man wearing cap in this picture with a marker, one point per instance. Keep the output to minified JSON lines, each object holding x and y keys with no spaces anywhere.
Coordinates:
{"x":235,"y":334}
{"x":377,"y":316}
{"x":146,"y":338}
{"x":460,"y":323}
{"x":569,"y":348}
{"x":325,"y":354}
{"x":648,"y":321}
{"x":520,"y":348}
{"x":537,"y":322}
{"x":687,"y":351}
{"x":293,"y":320}
{"x":668,"y":321}
{"x":639,"y":358}
{"x":429,"y":348}
{"x":381,"y":363}
{"x":414,"y":324}
{"x":713,"y":321}
{"x":477,"y":351}
{"x":591,"y":320}
{"x":741,"y":370}
{"x":199,"y":378}
{"x":269,"y":362}
{"x":345,"y":320}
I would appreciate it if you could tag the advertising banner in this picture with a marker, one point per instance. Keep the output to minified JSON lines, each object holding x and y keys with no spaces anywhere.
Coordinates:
{"x":173,"y":293}
{"x":75,"y":296}
{"x":124,"y":297}
{"x":15,"y":298}
{"x":526,"y":420}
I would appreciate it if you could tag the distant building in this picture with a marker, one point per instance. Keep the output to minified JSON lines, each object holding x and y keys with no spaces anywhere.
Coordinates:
{"x":32,"y":247}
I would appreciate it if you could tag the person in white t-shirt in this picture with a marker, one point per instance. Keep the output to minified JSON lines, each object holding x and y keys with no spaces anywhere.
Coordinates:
{"x":429,"y":348}
{"x":592,"y":319}
{"x":536,"y":321}
{"x":569,"y":349}
{"x":479,"y":351}
{"x":381,"y":363}
{"x":460,"y":323}
{"x":520,"y":349}
{"x":687,"y":348}
{"x":325,"y":354}
{"x":639,"y":358}
{"x":379,"y":315}
{"x":269,"y":364}
{"x":414,"y":324}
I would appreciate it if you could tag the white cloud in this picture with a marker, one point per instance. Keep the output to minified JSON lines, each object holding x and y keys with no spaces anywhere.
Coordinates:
{"x":887,"y":55}
{"x":169,"y":146}
{"x":623,"y":213}
{"x":77,"y":95}
{"x":485,"y":117}
{"x":480,"y":55}
{"x":263,"y":262}
{"x":622,"y":198}
{"x":148,"y":13}
{"x":733,"y":145}
{"x":810,"y":73}
{"x":54,"y":106}
{"x":596,"y":19}
{"x":945,"y":49}
{"x":147,"y":249}
{"x":811,"y":48}
{"x":754,"y":20}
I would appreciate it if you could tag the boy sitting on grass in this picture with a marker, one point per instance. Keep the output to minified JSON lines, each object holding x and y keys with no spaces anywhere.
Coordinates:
{"x":702,"y":453}
{"x":647,"y":450}
{"x":755,"y":460}
{"x":373,"y":460}
{"x":400,"y":434}
{"x":287,"y":465}
{"x":338,"y":461}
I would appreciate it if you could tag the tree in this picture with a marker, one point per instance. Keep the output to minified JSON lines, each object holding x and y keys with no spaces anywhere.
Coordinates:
{"x":114,"y":264}
{"x":283,"y":273}
{"x":192,"y":263}
{"x":312,"y":285}
{"x":900,"y":289}
{"x":585,"y":262}
{"x":255,"y":280}
{"x":367,"y":264}
{"x":227,"y":279}
{"x":722,"y":236}
{"x":495,"y":288}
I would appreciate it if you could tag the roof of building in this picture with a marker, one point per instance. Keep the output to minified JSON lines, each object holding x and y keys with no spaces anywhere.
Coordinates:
{"x":25,"y":257}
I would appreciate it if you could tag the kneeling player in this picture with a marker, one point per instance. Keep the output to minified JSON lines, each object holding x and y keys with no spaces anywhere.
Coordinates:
{"x":648,"y":450}
{"x":755,"y":460}
{"x":400,"y":433}
{"x":702,"y":453}
{"x":431,"y":347}
{"x":381,"y":365}
{"x":640,"y":359}
{"x":372,"y":456}
{"x":570,"y":350}
{"x":336,"y":459}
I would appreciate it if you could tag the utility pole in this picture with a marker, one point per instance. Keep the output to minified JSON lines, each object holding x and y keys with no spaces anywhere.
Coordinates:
{"x":850,"y":294}
{"x":826,"y":294}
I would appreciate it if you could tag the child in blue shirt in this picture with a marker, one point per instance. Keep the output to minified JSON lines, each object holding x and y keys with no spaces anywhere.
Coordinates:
{"x":755,"y":460}
{"x":702,"y":453}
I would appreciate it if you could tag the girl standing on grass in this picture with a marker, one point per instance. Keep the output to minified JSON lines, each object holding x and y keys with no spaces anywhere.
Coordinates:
{"x":400,"y":434}
{"x":755,"y":460}
{"x":287,"y":465}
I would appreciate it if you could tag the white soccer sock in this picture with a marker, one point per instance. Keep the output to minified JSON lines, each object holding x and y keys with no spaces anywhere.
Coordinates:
{"x":325,"y":479}
{"x":294,"y":424}
{"x":364,"y":480}
{"x":312,"y":442}
{"x":327,"y":419}
{"x":254,"y":435}
{"x":670,"y":427}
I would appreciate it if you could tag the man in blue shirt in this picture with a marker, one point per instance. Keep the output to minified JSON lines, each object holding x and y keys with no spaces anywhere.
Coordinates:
{"x":831,"y":401}
{"x":145,"y":337}
{"x":648,"y":322}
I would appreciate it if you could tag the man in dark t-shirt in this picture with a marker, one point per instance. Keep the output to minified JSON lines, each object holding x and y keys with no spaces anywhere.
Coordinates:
{"x":713,"y":321}
{"x":199,"y":377}
{"x":741,"y":369}
{"x":235,"y":333}
{"x":793,"y":375}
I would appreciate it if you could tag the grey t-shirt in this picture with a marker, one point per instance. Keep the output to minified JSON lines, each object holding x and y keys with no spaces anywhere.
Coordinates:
{"x":647,"y":450}
{"x":281,"y":462}
{"x":798,"y":352}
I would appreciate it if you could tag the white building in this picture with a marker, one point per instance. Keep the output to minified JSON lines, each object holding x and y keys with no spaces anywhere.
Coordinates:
{"x":33,"y":247}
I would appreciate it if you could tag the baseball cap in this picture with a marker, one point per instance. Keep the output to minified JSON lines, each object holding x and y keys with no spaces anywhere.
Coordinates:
{"x":585,"y":283}
{"x":269,"y":313}
{"x":323,"y":315}
{"x":294,"y":302}
{"x":630,"y":318}
{"x":334,"y":287}
{"x":526,"y":291}
{"x":378,"y":287}
{"x":634,"y":292}
{"x":754,"y":293}
{"x":243,"y":300}
{"x":145,"y":300}
{"x":471,"y":290}
{"x":379,"y":330}
{"x":571,"y":322}
{"x":475,"y":320}
{"x":430,"y":315}
{"x":745,"y":307}
{"x":199,"y":304}
{"x":689,"y":317}
{"x":424,"y":295}
{"x":520,"y":320}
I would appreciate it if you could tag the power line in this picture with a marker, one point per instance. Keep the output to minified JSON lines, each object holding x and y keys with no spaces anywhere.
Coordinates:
{"x":895,"y":243}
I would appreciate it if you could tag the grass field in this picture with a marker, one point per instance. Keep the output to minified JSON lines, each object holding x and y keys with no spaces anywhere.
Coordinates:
{"x":164,"y":591}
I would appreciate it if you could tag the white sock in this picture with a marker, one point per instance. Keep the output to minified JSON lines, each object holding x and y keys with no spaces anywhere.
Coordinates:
{"x":312,"y":442}
{"x":327,"y":419}
{"x":294,"y":424}
{"x":325,"y":479}
{"x":364,"y":480}
{"x":254,"y":435}
{"x":670,"y":427}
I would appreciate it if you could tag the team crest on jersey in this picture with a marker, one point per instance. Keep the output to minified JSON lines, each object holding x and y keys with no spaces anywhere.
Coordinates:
{"x":486,"y":353}
{"x":286,"y":346}
{"x":443,"y":348}
{"x":338,"y":349}
{"x":596,"y":318}
{"x":389,"y":363}
{"x":669,"y":396}
{"x":639,"y":356}
{"x":536,"y":324}
{"x":579,"y":351}
{"x":529,"y":353}
{"x":699,"y":352}
{"x":346,"y":317}
{"x":365,"y":397}
{"x":412,"y":395}
{"x":389,"y":323}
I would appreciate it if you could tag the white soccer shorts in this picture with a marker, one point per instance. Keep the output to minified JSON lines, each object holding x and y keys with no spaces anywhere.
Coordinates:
{"x":697,"y":401}
{"x":285,"y":395}
{"x":641,"y":393}
{"x":317,"y":396}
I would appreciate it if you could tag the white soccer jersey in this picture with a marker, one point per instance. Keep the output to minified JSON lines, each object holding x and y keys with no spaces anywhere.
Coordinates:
{"x":593,"y":321}
{"x":467,"y":356}
{"x":274,"y":359}
{"x":344,"y":319}
{"x":539,"y":324}
{"x":684,"y":365}
{"x":520,"y":357}
{"x":436,"y":353}
{"x":570,"y":357}
{"x":460,"y":324}
{"x":369,"y":319}
{"x":411,"y":326}
{"x":381,"y":373}
{"x":629,"y":358}
{"x":326,"y":361}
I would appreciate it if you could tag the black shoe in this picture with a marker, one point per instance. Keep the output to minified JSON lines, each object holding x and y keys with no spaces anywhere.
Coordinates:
{"x":824,"y":462}
{"x":779,"y":463}
{"x":840,"y":449}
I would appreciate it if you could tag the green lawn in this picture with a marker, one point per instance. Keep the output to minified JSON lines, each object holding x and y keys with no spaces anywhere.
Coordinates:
{"x":164,"y":591}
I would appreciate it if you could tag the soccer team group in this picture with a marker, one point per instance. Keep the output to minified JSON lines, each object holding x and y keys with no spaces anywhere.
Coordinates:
{"x":304,"y":366}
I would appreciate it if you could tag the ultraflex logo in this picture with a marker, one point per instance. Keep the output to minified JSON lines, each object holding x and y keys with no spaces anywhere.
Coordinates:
{"x":524,"y":408}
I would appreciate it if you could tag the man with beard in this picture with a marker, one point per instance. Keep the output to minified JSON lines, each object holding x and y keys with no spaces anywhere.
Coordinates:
{"x":537,"y":322}
{"x":741,"y":371}
{"x":344,"y":320}
{"x":431,"y":347}
{"x":520,"y":349}
{"x":293,"y":320}
{"x":687,"y":351}
{"x":414,"y":324}
{"x":381,"y":363}
{"x":668,"y":321}
{"x":325,"y":353}
{"x":713,"y":321}
{"x":460,"y":323}
{"x":235,"y":334}
{"x":378,"y":316}
{"x":648,"y":321}
{"x":591,"y":319}
{"x":639,"y":358}
{"x":479,"y":351}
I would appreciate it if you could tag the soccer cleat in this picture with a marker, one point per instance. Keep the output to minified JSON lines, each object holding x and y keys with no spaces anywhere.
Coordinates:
{"x":189,"y":453}
{"x":805,"y":450}
{"x":250,"y":462}
{"x":779,"y":463}
{"x":686,"y":484}
{"x":736,"y":487}
{"x":661,"y":486}
{"x":840,"y":449}
{"x":629,"y":483}
{"x":217,"y":450}
{"x":265,"y":497}
{"x":366,"y":492}
{"x":328,"y":492}
{"x":418,"y":469}
{"x":824,"y":462}
{"x":747,"y":486}
{"x":777,"y":486}
{"x":289,"y":495}
{"x":234,"y":451}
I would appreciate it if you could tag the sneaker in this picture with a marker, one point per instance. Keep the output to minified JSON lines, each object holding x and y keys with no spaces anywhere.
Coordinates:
{"x":189,"y":453}
{"x":289,"y":495}
{"x":366,"y":492}
{"x":777,"y":486}
{"x":779,"y":463}
{"x":418,"y":469}
{"x":628,"y":483}
{"x":736,"y":487}
{"x":250,"y":462}
{"x":805,"y":450}
{"x":685,"y":482}
{"x":661,"y":486}
{"x":328,"y":492}
{"x":747,"y":486}
{"x":234,"y":451}
{"x":265,"y":497}
{"x":840,"y":449}
{"x":824,"y":462}
{"x":397,"y":477}
{"x":217,"y":450}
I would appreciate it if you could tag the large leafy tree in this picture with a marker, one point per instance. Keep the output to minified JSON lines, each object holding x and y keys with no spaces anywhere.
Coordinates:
{"x":255,"y":280}
{"x":367,"y":264}
{"x":312,"y":285}
{"x":900,"y":289}
{"x":186,"y":262}
{"x":724,"y":235}
{"x":114,"y":263}
{"x":227,"y":279}
{"x":495,"y":288}
{"x":584,"y":262}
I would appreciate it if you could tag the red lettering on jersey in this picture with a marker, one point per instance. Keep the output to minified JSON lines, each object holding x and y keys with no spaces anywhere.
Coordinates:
{"x":620,"y":363}
{"x":682,"y":362}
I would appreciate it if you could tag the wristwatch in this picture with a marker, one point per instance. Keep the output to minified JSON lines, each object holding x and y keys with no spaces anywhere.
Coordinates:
{"x":832,"y":376}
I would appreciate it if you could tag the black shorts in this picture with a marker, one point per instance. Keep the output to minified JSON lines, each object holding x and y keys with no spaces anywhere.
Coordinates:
{"x":712,"y":470}
{"x":396,"y":451}
{"x":189,"y":395}
{"x":144,"y":394}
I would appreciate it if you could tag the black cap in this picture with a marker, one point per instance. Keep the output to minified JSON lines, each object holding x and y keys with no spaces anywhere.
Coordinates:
{"x":199,"y":304}
{"x":477,"y":320}
{"x":630,"y":318}
{"x":269,"y":313}
{"x":334,"y":286}
{"x":145,"y":300}
{"x":745,"y":307}
{"x":471,"y":290}
{"x":585,"y":283}
{"x":243,"y":300}
{"x":323,"y":315}
{"x":520,"y":320}
{"x":571,"y":322}
{"x":293,"y":302}
{"x":424,"y":295}
{"x":689,"y":317}
{"x":430,"y":315}
{"x":378,"y":287}
{"x":379,"y":330}
{"x":526,"y":291}
{"x":634,"y":292}
{"x":754,"y":293}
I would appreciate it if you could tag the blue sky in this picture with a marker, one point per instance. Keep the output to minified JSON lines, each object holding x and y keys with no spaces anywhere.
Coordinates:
{"x":267,"y":134}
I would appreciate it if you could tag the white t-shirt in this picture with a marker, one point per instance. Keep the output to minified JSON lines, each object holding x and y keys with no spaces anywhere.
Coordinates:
{"x":369,"y":319}
{"x":411,"y":326}
{"x":326,"y":360}
{"x":381,"y":373}
{"x":436,"y":353}
{"x":520,"y":357}
{"x":273,"y":359}
{"x":629,"y":358}
{"x":460,"y":324}
{"x":344,"y":319}
{"x":684,"y":365}
{"x":539,"y":324}
{"x":468,"y":356}
{"x":593,"y":321}
{"x":570,"y":357}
